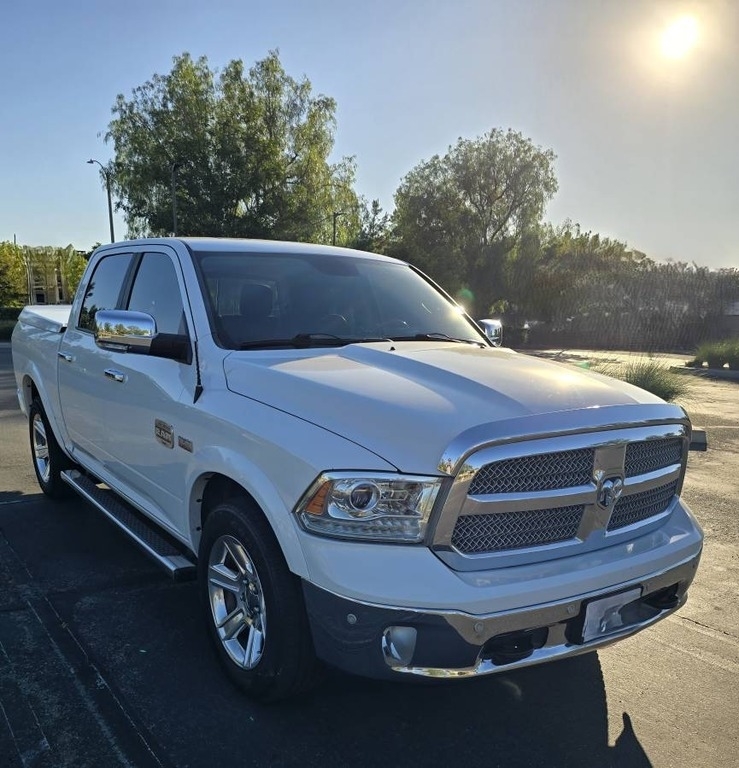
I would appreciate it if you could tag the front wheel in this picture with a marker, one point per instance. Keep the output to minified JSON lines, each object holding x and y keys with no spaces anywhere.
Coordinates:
{"x":253,"y":605}
{"x":49,"y":461}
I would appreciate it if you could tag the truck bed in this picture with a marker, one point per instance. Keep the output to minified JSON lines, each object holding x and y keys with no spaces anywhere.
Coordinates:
{"x":53,"y":318}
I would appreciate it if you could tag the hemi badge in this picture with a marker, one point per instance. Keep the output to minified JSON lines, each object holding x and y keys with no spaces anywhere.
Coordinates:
{"x":184,"y":443}
{"x":164,"y":433}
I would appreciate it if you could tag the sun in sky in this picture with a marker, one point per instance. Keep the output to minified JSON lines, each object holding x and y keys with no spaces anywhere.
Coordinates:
{"x":679,"y":37}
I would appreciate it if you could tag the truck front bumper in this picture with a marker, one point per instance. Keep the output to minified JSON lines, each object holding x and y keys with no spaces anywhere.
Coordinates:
{"x":382,"y":641}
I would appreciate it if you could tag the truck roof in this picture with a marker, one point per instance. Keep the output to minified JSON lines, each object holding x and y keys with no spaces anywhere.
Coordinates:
{"x":235,"y":245}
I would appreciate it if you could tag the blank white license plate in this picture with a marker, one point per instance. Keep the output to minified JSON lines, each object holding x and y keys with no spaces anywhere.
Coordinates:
{"x":603,"y":616}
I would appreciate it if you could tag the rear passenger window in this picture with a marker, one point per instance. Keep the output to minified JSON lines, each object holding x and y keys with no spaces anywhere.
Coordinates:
{"x":156,"y":291}
{"x":104,"y":288}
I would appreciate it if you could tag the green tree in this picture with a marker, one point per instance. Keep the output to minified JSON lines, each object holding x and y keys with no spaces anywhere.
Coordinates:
{"x":592,"y":290}
{"x":374,"y":228}
{"x":460,"y":216}
{"x":250,"y":153}
{"x":581,"y":272}
{"x":13,"y":278}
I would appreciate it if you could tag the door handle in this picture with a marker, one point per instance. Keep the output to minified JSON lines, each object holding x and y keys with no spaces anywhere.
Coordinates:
{"x":111,"y":373}
{"x":64,"y":356}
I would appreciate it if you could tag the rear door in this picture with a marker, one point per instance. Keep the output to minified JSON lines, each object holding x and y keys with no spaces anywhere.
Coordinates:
{"x":81,"y":369}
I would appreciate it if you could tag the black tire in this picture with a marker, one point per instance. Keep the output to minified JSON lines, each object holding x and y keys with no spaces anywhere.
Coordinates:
{"x":266,"y":646}
{"x":49,"y":461}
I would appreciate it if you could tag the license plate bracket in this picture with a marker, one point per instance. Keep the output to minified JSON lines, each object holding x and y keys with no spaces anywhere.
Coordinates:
{"x":602,"y":616}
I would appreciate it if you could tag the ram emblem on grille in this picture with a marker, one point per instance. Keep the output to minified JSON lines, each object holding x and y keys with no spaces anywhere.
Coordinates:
{"x":609,"y":491}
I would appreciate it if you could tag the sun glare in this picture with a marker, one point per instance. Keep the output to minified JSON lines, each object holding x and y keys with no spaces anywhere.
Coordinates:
{"x":680,"y":37}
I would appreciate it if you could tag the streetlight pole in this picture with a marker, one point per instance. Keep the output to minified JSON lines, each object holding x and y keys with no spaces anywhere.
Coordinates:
{"x":336,"y":216}
{"x":106,"y":173}
{"x":175,"y":166}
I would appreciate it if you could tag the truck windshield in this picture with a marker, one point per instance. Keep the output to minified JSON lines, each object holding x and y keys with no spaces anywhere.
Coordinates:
{"x":258,"y":300}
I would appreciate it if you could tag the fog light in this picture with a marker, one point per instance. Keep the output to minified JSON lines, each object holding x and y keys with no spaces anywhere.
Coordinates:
{"x":398,"y":645}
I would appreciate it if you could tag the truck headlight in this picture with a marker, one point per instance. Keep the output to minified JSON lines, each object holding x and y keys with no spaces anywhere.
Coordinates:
{"x":377,"y":507}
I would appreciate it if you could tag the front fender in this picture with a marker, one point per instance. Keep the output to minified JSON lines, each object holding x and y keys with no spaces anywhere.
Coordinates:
{"x":236,"y":467}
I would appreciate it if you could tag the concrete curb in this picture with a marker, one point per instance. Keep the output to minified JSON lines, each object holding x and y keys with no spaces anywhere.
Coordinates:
{"x":719,"y":374}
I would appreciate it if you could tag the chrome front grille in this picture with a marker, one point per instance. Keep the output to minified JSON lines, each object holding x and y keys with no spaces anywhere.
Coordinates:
{"x":641,"y":506}
{"x":538,"y":499}
{"x":651,"y":455}
{"x":514,"y":530}
{"x":543,"y":472}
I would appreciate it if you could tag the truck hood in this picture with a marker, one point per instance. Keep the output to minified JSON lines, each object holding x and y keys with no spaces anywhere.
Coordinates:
{"x":406,"y":402}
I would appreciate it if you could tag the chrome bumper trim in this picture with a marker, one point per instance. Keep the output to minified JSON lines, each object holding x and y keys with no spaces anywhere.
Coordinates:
{"x":478,"y":630}
{"x":558,"y":424}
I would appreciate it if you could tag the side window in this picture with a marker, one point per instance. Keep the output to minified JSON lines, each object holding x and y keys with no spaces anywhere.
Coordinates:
{"x":104,"y":288}
{"x":157,"y":292}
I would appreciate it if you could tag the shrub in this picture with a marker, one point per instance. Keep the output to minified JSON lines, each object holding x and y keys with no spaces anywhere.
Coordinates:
{"x":649,"y":375}
{"x":719,"y":353}
{"x":10,"y":313}
{"x":732,"y":354}
{"x":6,"y":329}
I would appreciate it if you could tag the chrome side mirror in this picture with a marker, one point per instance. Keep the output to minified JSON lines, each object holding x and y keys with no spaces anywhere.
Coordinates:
{"x":124,"y":331}
{"x":128,"y":331}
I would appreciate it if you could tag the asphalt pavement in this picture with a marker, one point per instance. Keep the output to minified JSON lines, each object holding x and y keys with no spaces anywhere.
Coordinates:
{"x":104,"y":661}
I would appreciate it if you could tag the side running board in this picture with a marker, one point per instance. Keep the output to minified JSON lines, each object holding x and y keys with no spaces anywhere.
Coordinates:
{"x":156,"y":543}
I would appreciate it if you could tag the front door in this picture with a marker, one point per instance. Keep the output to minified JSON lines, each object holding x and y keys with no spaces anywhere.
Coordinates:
{"x":150,"y":397}
{"x":123,"y":412}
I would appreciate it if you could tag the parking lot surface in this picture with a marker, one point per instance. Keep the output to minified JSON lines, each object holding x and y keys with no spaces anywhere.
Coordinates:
{"x":104,"y":661}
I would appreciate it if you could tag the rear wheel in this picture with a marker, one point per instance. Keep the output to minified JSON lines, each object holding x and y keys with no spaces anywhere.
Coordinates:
{"x":253,"y":605}
{"x":49,"y":461}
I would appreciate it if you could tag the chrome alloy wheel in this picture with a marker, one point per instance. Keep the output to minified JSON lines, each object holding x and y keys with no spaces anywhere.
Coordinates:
{"x":41,"y":448}
{"x":237,"y":602}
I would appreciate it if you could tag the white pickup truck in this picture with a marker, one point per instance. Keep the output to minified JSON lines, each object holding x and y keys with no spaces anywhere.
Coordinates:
{"x":355,"y":474}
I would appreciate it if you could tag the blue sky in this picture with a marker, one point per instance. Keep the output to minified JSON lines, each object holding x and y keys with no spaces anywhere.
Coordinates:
{"x":647,"y":148}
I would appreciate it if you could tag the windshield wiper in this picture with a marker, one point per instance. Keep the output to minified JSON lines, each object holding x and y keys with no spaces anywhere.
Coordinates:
{"x":437,"y":336}
{"x":307,"y":340}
